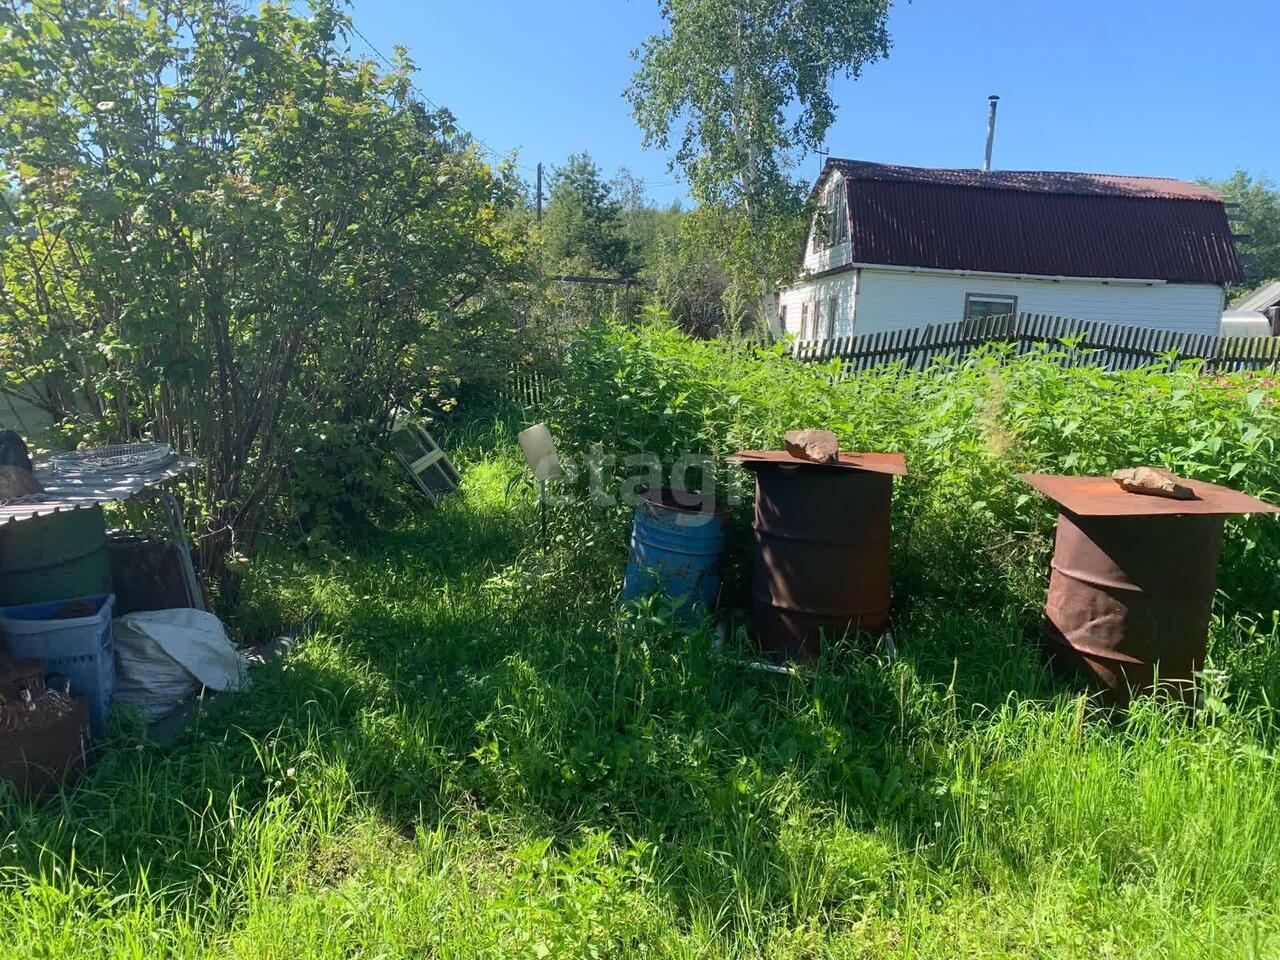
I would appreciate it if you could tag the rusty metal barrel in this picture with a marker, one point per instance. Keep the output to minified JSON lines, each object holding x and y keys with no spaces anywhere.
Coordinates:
{"x":822,"y":549}
{"x":1133,"y":596}
{"x":1132,"y":581}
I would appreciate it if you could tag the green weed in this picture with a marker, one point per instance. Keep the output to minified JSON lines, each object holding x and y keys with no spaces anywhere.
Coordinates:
{"x":479,"y":754}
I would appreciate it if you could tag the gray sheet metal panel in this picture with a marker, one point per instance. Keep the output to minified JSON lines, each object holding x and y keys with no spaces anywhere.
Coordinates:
{"x":90,"y":490}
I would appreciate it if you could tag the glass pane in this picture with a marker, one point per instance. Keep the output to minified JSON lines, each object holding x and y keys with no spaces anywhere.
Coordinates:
{"x":981,"y":309}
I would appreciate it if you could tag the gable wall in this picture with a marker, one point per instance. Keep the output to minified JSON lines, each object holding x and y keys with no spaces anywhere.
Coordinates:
{"x":841,"y":285}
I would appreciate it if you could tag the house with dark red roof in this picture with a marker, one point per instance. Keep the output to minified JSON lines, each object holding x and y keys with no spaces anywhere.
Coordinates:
{"x":894,"y":247}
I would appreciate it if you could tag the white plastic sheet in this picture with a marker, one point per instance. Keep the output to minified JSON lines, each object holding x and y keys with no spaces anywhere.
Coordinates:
{"x":165,"y":656}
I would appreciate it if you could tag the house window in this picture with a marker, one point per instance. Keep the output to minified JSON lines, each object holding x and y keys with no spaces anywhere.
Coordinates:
{"x":804,"y":320}
{"x":832,"y":303}
{"x":837,"y":215}
{"x":820,"y":230}
{"x":983,"y":306}
{"x":782,"y":318}
{"x":831,"y":223}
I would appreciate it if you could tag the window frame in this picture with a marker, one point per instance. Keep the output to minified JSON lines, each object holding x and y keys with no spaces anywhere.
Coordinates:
{"x":831,"y":220}
{"x":1008,"y":298}
{"x":837,"y":204}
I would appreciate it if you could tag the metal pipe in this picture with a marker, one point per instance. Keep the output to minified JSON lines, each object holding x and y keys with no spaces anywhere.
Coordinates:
{"x":994,"y":100}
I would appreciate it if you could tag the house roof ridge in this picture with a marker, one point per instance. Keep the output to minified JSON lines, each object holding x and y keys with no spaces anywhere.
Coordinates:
{"x":1063,"y":182}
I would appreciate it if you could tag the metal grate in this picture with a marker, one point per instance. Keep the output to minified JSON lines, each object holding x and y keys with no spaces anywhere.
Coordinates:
{"x":117,"y":458}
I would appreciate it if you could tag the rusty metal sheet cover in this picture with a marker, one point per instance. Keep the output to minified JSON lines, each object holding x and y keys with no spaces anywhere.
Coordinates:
{"x":894,"y":464}
{"x":1103,"y":497}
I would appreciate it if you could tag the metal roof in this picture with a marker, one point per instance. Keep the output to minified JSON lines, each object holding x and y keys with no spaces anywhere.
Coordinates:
{"x":63,"y":493}
{"x":1031,"y":181}
{"x":1038,"y":223}
{"x":1103,"y":497}
{"x":1262,"y":298}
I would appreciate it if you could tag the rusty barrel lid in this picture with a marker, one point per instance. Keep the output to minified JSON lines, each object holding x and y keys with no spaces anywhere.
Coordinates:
{"x":1103,"y":497}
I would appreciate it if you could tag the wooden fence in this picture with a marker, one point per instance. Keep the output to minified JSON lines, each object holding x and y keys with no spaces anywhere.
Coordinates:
{"x":1109,"y":345}
{"x":527,"y":388}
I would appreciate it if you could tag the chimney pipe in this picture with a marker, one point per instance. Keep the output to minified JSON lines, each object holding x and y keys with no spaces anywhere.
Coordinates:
{"x":994,"y":99}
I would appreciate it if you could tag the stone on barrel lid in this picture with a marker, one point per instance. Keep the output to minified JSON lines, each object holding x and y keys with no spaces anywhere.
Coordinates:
{"x":1143,"y":492}
{"x":816,"y":446}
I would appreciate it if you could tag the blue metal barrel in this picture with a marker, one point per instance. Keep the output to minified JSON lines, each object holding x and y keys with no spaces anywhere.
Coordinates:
{"x":676,"y":543}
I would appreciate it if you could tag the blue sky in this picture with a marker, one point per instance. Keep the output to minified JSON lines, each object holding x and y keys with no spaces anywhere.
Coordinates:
{"x":1159,"y":87}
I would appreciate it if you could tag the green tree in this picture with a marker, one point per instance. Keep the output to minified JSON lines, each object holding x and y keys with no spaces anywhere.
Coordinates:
{"x":231,"y":235}
{"x":582,"y":228}
{"x":741,"y":87}
{"x":1259,"y":202}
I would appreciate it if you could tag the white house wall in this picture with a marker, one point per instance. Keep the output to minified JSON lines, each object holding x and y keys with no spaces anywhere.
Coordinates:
{"x":827,"y":257}
{"x":891,"y":299}
{"x":841,"y":285}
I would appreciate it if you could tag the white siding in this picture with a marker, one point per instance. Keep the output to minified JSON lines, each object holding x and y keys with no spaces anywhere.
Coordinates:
{"x":826,"y":257}
{"x":842,"y":285}
{"x":892,"y":299}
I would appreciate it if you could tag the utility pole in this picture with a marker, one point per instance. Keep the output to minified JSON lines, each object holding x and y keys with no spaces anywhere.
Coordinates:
{"x":539,"y":193}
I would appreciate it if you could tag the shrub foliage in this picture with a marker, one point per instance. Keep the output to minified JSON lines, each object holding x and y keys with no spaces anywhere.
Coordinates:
{"x":220,"y":228}
{"x":965,"y":525}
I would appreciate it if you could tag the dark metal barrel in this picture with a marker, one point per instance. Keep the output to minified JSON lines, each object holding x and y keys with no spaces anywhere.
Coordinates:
{"x":1130,"y":598}
{"x":822,"y":552}
{"x":1133,"y":578}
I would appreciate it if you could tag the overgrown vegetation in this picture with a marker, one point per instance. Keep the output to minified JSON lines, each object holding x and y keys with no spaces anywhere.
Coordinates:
{"x":221,"y":230}
{"x":1258,"y":206}
{"x":970,"y":530}
{"x":481,"y":755}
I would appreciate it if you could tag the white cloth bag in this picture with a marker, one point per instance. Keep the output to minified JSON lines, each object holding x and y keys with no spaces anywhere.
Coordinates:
{"x":166,"y":656}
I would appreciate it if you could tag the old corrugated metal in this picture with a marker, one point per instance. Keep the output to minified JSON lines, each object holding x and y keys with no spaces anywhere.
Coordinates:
{"x":1039,"y":223}
{"x":1130,"y":597}
{"x":1132,"y":580}
{"x":822,"y":549}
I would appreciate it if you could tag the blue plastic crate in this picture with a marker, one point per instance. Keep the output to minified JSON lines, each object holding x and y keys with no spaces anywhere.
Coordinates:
{"x":79,"y":648}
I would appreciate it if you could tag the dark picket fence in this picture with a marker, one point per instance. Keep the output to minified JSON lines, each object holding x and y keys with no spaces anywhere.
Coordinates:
{"x":1108,"y":345}
{"x":528,"y":388}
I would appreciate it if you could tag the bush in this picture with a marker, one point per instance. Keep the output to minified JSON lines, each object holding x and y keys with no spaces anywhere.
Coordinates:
{"x":965,"y":526}
{"x":219,"y":227}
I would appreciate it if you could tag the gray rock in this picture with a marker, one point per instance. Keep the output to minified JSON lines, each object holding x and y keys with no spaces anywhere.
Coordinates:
{"x":1154,"y":482}
{"x":817,"y":446}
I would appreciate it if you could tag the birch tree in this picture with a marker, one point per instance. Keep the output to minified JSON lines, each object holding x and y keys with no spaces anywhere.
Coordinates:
{"x":741,"y":90}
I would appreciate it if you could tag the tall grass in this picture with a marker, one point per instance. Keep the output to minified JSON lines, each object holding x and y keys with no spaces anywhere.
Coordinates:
{"x":481,"y":755}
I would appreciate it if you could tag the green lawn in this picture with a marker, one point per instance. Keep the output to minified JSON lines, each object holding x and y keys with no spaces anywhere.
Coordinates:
{"x":478,"y":755}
